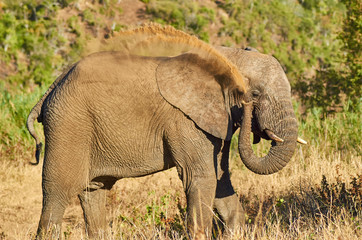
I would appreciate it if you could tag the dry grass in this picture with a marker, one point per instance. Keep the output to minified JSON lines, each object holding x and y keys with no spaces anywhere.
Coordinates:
{"x":285,"y":205}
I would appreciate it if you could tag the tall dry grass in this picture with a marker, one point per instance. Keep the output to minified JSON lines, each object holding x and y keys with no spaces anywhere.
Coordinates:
{"x":287,"y":205}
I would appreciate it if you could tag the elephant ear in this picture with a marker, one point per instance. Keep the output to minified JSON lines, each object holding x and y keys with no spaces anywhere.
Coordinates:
{"x":190,"y":87}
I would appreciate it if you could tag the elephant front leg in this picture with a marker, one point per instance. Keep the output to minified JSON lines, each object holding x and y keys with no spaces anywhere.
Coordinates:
{"x":200,"y":197}
{"x":193,"y":152}
{"x":93,"y":203}
{"x":229,"y":208}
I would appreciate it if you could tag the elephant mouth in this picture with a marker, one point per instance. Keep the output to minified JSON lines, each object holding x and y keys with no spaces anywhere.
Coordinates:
{"x":256,"y":138}
{"x":258,"y":133}
{"x":267,"y":135}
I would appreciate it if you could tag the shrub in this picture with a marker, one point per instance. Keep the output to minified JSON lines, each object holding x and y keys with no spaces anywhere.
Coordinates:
{"x":185,"y":15}
{"x":298,"y":35}
{"x":339,"y":80}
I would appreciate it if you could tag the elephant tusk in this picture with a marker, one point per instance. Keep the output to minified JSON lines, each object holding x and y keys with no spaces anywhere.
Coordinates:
{"x":272,"y":136}
{"x":301,"y":141}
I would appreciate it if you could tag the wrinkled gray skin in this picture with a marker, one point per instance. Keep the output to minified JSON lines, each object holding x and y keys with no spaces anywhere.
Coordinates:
{"x":110,"y":117}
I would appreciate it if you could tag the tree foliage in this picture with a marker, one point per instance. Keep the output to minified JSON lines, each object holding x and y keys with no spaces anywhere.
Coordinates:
{"x":351,"y":38}
{"x":340,"y":80}
{"x":28,"y":37}
{"x":185,"y":15}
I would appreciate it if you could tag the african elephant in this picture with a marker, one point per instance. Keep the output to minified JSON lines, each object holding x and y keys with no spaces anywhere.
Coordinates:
{"x":113,"y":115}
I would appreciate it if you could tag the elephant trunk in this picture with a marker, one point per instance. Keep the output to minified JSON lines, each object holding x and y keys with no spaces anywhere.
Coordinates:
{"x":280,"y":152}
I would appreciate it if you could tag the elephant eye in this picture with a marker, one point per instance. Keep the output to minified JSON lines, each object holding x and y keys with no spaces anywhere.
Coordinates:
{"x":255,"y":93}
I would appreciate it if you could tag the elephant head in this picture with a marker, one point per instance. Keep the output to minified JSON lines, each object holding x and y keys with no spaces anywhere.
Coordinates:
{"x":269,"y":111}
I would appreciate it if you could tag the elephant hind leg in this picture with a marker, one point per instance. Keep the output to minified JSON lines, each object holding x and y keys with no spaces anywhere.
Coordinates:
{"x":52,"y":214}
{"x":93,"y":203}
{"x":65,"y":174}
{"x":56,"y":197}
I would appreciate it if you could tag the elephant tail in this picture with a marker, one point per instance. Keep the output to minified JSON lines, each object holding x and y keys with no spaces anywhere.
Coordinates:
{"x":36,"y":112}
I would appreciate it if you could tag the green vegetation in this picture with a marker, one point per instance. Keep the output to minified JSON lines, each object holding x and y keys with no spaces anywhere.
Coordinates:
{"x":340,"y":132}
{"x":188,"y":15}
{"x":36,"y":44}
{"x":14,"y":108}
{"x":30,"y":41}
{"x":339,"y":80}
{"x":298,"y":35}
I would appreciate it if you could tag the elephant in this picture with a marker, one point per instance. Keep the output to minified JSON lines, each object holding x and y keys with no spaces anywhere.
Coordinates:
{"x":113,"y":115}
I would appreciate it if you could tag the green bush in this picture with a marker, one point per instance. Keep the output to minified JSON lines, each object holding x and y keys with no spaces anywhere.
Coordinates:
{"x":339,"y":132}
{"x":340,"y":79}
{"x":30,"y":39}
{"x":15,"y":107}
{"x":298,"y":35}
{"x":187,"y":15}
